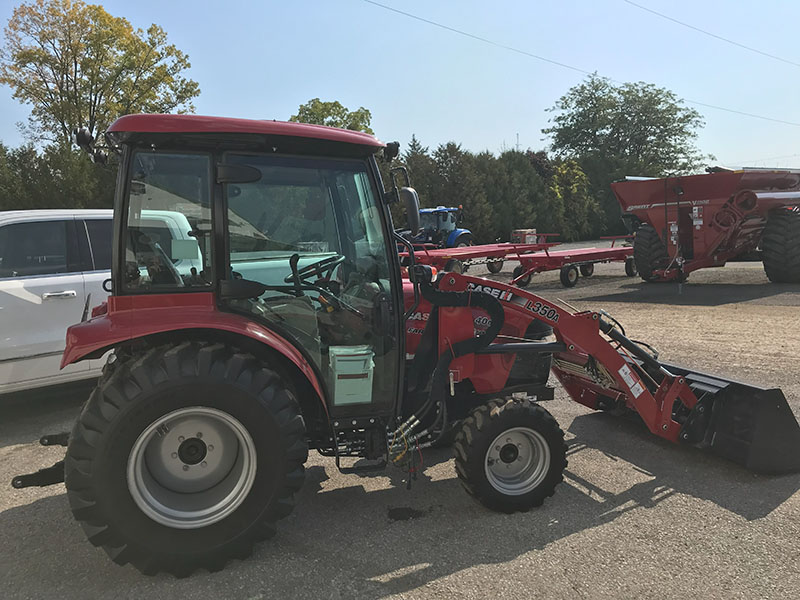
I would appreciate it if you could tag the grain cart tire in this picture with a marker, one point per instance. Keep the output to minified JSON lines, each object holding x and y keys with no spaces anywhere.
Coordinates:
{"x":649,"y":252}
{"x":630,"y":267}
{"x":144,"y":478}
{"x":494,"y":266}
{"x":525,"y":281}
{"x":510,"y":455}
{"x":587,"y":269}
{"x":569,"y":275}
{"x":780,"y":245}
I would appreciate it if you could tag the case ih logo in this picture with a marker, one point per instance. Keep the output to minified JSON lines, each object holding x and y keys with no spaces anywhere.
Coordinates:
{"x":504,"y":295}
{"x":419,"y":316}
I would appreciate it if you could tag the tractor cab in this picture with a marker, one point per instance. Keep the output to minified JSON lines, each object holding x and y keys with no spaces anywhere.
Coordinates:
{"x":291,"y":241}
{"x":440,"y":226}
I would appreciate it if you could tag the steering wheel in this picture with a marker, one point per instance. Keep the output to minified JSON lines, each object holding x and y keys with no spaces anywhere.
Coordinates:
{"x":326,"y":265}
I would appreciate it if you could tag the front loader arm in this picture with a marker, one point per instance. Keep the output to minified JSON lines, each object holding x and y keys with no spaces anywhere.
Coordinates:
{"x":603,"y":369}
{"x":594,"y":369}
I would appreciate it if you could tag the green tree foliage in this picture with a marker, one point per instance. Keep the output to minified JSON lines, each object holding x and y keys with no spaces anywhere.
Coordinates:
{"x":579,"y":213}
{"x":79,"y":66}
{"x":54,"y":178}
{"x":629,"y":129}
{"x":333,"y":114}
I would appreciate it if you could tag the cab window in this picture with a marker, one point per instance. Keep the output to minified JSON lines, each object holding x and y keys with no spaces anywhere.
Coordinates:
{"x":168,"y":228}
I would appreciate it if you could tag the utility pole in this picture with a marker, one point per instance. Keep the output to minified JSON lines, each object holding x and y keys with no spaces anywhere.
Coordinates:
{"x":517,"y":142}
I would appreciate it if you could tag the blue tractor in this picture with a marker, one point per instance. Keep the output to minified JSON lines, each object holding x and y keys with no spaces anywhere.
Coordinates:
{"x":439,"y":226}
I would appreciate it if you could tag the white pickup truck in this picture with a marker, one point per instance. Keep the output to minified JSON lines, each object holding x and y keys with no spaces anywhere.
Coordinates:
{"x":52,"y":266}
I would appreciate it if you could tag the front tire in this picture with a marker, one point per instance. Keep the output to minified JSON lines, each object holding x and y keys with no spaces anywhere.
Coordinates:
{"x":780,"y":245}
{"x":144,"y":478}
{"x":510,"y":455}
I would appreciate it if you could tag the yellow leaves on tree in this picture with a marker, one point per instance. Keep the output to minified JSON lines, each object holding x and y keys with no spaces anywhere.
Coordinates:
{"x":79,"y":66}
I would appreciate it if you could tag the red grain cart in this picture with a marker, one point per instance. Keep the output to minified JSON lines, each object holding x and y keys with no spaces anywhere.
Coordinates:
{"x":691,"y":222}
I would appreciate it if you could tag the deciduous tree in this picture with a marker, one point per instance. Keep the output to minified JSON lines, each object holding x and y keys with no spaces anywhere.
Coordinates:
{"x":78,"y":66}
{"x":333,"y":114}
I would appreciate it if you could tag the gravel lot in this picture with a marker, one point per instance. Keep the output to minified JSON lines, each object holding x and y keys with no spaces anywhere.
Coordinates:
{"x":635,"y":517}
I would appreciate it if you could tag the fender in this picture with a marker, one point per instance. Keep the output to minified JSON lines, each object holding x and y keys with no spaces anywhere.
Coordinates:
{"x":454,"y":235}
{"x":133,"y":317}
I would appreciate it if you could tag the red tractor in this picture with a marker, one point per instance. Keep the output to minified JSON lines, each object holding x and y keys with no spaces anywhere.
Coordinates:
{"x":691,"y":222}
{"x":281,"y":321}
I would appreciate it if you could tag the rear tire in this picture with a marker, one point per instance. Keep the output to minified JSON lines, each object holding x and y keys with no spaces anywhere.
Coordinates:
{"x":510,"y":455}
{"x":569,"y":276}
{"x":525,"y":281}
{"x":587,"y":270}
{"x":215,"y":500}
{"x":649,"y":252}
{"x":494,"y":266}
{"x":780,"y":245}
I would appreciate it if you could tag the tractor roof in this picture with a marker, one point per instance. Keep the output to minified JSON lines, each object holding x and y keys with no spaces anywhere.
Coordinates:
{"x":220,"y":125}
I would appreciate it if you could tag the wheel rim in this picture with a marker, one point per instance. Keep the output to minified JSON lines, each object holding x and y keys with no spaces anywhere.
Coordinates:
{"x":572,"y":275}
{"x":517,"y":461}
{"x":192,"y":467}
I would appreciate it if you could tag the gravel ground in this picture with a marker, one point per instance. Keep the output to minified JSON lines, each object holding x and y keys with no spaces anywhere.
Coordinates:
{"x":635,"y":516}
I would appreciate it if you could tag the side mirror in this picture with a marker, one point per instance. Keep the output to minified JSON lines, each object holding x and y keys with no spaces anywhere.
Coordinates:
{"x":408,"y":196}
{"x":83,"y":139}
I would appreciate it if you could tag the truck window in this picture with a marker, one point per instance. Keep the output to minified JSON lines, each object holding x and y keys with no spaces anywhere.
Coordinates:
{"x":33,"y":248}
{"x":100,"y":237}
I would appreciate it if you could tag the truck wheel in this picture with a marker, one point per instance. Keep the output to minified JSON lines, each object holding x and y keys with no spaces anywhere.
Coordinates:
{"x":780,"y":245}
{"x":510,"y":455}
{"x":587,"y":270}
{"x":569,"y":275}
{"x":525,"y":281}
{"x":494,"y":266}
{"x":630,"y":267}
{"x":184,"y":456}
{"x":649,"y":252}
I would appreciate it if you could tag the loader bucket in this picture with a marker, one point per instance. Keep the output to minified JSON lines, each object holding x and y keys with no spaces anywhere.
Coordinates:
{"x":749,"y":425}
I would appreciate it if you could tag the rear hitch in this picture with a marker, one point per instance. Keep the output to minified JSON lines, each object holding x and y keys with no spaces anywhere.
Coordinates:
{"x":41,"y":478}
{"x":49,"y":475}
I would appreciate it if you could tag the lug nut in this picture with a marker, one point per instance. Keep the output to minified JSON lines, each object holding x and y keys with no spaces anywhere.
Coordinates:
{"x":185,"y":467}
{"x":210,"y":448}
{"x":174,"y":455}
{"x":204,"y":464}
{"x":181,"y":438}
{"x":199,"y":435}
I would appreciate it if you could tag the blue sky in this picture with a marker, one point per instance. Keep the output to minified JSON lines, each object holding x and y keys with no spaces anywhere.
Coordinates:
{"x":264,"y":59}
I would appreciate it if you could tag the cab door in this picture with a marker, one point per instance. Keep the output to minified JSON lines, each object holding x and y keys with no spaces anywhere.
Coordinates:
{"x":41,"y":294}
{"x":312,"y":231}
